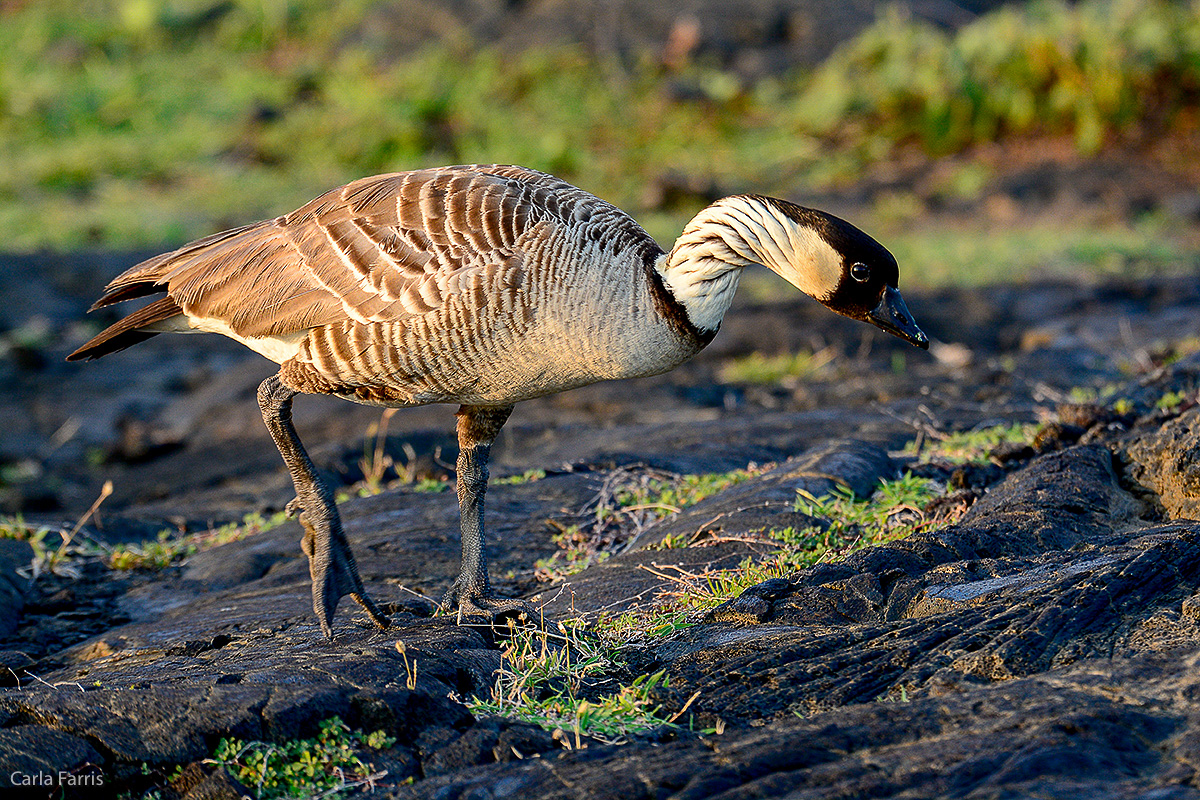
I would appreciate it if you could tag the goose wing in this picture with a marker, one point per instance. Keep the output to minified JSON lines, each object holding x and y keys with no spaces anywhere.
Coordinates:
{"x":377,"y":249}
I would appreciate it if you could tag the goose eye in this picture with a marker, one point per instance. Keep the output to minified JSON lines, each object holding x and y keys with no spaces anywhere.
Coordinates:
{"x":860,"y":272}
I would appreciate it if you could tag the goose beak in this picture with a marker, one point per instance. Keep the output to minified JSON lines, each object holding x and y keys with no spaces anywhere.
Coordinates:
{"x":892,"y":316}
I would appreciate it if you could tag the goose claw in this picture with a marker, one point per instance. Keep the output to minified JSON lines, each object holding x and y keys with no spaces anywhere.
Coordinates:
{"x":293,"y":507}
{"x":334,"y":576}
{"x":469,"y":602}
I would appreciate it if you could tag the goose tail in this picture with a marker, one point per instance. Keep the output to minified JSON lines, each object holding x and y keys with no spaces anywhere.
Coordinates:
{"x":129,"y":330}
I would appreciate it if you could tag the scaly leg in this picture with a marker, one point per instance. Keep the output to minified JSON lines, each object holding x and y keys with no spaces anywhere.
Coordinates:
{"x":472,"y":593}
{"x":330,"y":560}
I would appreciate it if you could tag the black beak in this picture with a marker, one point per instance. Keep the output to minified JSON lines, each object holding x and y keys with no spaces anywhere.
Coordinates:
{"x":892,"y":316}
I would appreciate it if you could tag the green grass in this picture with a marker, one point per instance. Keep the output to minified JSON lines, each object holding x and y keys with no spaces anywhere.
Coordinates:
{"x":544,"y":680}
{"x":167,"y":549}
{"x":327,"y":765}
{"x":637,"y":626}
{"x":1171,"y":401}
{"x":528,"y":476}
{"x":153,"y":555}
{"x":1094,"y":70}
{"x":757,"y":368}
{"x":133,"y":136}
{"x":15,"y":527}
{"x":366,"y":489}
{"x":973,"y":446}
{"x":629,"y":501}
{"x":849,"y":523}
{"x":893,"y":511}
{"x":170,"y":548}
{"x":47,"y":557}
{"x":662,"y":496}
{"x":971,"y":255}
{"x":546,"y":677}
{"x":611,"y":719}
{"x":896,"y":508}
{"x":577,"y":551}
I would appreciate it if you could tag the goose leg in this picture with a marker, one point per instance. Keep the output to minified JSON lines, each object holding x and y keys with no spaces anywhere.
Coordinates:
{"x":330,"y":560}
{"x":472,"y":593}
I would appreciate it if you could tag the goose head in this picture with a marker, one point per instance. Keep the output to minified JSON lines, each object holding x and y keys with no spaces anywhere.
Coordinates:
{"x":823,"y":256}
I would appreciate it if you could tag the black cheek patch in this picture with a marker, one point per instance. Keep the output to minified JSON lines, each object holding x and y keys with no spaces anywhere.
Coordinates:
{"x":853,"y":299}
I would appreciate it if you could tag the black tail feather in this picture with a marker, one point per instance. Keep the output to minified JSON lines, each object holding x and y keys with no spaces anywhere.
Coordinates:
{"x":128,"y":292}
{"x":127,"y":331}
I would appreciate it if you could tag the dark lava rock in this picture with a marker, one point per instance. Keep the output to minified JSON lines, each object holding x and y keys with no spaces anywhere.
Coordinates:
{"x":1166,"y":461}
{"x":14,"y":555}
{"x":1047,"y":641}
{"x":1047,"y":644}
{"x":1000,"y":595}
{"x":200,"y":781}
{"x":1098,"y":729}
{"x":34,"y":757}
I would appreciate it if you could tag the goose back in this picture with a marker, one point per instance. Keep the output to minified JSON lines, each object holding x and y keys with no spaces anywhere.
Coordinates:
{"x":482,"y":285}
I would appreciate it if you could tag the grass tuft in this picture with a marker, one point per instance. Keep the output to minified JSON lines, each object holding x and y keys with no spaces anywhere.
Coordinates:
{"x":629,"y":501}
{"x":550,"y":679}
{"x":973,"y":446}
{"x":844,"y":524}
{"x":788,"y":368}
{"x":169,"y":549}
{"x":328,"y":765}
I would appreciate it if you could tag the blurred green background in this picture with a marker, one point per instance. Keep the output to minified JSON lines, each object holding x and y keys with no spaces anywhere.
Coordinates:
{"x":984,"y":145}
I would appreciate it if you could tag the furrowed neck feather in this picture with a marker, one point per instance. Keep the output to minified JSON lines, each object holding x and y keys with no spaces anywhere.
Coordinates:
{"x":703,"y":267}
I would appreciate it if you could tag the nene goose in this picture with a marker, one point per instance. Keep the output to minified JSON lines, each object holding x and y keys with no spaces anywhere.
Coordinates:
{"x":480,"y":286}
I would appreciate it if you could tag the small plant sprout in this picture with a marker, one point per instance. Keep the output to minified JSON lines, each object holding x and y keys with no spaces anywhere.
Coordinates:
{"x":528,"y":476}
{"x":1171,"y":402}
{"x":431,"y":485}
{"x":410,"y":668}
{"x":54,"y":562}
{"x":377,"y":462}
{"x":15,"y":527}
{"x":575,"y":554}
{"x":1123,"y":406}
{"x":673,"y":541}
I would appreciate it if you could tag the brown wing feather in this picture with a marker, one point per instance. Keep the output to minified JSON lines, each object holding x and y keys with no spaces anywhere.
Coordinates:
{"x":377,"y":249}
{"x":145,"y":278}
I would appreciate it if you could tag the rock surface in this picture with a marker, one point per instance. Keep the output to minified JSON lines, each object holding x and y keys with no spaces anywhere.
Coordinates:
{"x":1046,"y":644}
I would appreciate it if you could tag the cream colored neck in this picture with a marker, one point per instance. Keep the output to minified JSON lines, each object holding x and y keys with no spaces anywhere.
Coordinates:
{"x":703,"y":267}
{"x":703,"y":276}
